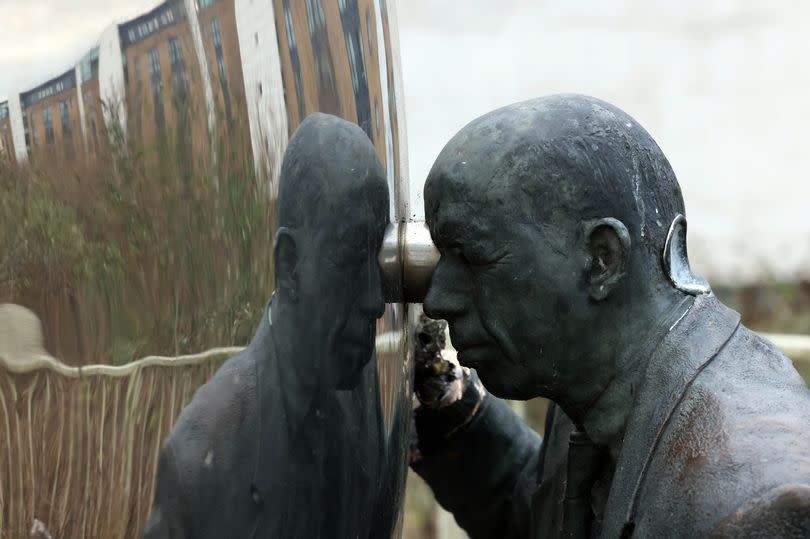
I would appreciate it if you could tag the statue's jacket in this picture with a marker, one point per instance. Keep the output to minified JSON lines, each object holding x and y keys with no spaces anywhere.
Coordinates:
{"x":717,"y":444}
{"x":236,"y":465}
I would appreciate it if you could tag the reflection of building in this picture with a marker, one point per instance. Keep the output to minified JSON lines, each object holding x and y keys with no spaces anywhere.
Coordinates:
{"x":271,"y":62}
{"x":329,"y":57}
{"x":164,"y":85}
{"x":6,"y":142}
{"x":90,"y":106}
{"x":51,"y":120}
{"x":217,"y":21}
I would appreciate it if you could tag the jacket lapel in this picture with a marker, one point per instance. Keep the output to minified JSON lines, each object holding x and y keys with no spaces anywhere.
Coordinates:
{"x":682,"y":354}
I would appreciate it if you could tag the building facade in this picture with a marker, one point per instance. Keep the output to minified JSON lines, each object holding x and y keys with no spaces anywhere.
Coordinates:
{"x":220,"y":42}
{"x":161,"y":76}
{"x":207,"y":69}
{"x":51,"y":120}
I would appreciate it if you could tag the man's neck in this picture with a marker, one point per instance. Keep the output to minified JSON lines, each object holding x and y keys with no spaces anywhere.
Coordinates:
{"x":605,"y":418}
{"x":297,"y":385}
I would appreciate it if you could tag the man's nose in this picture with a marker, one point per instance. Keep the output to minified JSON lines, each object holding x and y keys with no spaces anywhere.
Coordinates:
{"x":447,"y":296}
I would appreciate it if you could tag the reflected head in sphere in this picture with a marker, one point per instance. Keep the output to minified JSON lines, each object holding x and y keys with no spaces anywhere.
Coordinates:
{"x":333,"y":210}
{"x":287,"y":439}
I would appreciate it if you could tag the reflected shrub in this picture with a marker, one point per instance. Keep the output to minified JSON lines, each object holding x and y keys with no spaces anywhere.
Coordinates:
{"x":160,"y":246}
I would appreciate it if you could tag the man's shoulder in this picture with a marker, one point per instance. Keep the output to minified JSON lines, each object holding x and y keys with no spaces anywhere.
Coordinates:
{"x":207,"y":463}
{"x":739,"y":432}
{"x":755,"y":390}
{"x":219,"y":415}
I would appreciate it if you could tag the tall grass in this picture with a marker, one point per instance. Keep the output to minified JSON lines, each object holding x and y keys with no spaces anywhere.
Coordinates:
{"x":80,"y":454}
{"x":154,"y":247}
{"x":157,"y":247}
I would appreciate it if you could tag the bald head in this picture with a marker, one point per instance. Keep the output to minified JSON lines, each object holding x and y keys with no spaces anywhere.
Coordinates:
{"x":562,"y":159}
{"x":551,"y":217}
{"x":333,"y":210}
{"x":328,"y":163}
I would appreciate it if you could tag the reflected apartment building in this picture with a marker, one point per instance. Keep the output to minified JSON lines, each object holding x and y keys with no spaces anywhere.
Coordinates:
{"x":51,"y":120}
{"x":204,"y":66}
{"x":6,"y":143}
{"x":330,"y":63}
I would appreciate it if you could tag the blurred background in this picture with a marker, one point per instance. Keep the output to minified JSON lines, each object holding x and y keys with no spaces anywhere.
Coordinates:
{"x":722,"y":85}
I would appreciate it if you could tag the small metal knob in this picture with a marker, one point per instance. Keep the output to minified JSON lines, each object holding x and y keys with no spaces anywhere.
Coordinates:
{"x":407,"y":258}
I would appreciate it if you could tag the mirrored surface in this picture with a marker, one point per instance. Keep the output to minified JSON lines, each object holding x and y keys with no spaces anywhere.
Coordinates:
{"x":141,"y":205}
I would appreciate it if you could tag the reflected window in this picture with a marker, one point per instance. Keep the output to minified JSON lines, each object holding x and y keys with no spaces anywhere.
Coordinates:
{"x":356,"y":56}
{"x":215,"y":34}
{"x":67,"y":136}
{"x":178,"y":66}
{"x":357,"y":61}
{"x":202,"y":4}
{"x":327,"y":89}
{"x":315,"y":17}
{"x":223,"y":73}
{"x":368,"y":29}
{"x":289,"y":24}
{"x":64,"y":114}
{"x":157,"y":86}
{"x":27,"y":135}
{"x":47,"y":121}
{"x":138,"y":102}
{"x":296,"y":65}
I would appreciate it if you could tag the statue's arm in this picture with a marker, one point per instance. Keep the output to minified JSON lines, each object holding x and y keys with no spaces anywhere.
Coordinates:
{"x":166,"y":518}
{"x":480,"y":471}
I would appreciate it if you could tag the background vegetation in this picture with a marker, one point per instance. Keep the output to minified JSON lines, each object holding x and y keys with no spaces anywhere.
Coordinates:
{"x":147,"y":249}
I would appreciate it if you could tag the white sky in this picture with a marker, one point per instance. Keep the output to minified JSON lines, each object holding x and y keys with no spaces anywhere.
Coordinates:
{"x":722,"y":85}
{"x":40,"y":39}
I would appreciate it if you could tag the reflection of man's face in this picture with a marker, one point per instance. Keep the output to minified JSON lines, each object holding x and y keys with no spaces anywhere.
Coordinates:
{"x":504,"y":284}
{"x":342,"y":282}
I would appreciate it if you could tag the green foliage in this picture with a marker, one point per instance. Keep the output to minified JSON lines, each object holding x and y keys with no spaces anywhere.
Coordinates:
{"x":157,"y":248}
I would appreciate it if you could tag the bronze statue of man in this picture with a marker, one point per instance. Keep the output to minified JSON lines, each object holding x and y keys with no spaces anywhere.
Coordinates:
{"x":287,"y":439}
{"x":563,"y":274}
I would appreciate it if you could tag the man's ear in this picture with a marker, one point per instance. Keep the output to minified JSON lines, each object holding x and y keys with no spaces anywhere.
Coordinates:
{"x":608,"y":246}
{"x":285,"y":253}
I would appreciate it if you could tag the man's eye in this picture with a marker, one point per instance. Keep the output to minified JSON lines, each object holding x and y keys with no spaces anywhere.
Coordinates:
{"x":474,"y":259}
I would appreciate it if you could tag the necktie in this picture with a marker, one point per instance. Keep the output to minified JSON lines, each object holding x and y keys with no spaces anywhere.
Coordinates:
{"x":584,"y":465}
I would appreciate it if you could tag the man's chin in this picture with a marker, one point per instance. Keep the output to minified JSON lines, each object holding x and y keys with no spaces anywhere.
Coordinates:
{"x":501,"y":386}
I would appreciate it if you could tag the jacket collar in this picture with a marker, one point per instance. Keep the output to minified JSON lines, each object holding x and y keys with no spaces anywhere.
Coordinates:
{"x":691,"y":343}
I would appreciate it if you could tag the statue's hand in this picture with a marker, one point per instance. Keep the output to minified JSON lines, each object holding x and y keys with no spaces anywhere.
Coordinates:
{"x":449,"y":395}
{"x":439,"y":382}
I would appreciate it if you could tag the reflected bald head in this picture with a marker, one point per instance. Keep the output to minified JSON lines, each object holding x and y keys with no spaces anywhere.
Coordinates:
{"x":560,"y":160}
{"x":328,"y":163}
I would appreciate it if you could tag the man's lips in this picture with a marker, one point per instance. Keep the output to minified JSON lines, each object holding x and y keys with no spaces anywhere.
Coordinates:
{"x":472,"y":356}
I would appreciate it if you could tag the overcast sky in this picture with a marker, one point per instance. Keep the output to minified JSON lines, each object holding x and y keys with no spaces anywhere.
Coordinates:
{"x":40,"y":39}
{"x":722,"y":85}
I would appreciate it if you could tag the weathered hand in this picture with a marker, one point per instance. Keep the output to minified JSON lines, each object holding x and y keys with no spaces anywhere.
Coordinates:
{"x":439,"y":382}
{"x":449,"y":395}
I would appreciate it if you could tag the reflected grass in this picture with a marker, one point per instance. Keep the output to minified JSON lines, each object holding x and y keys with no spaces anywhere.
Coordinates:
{"x":161,"y":246}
